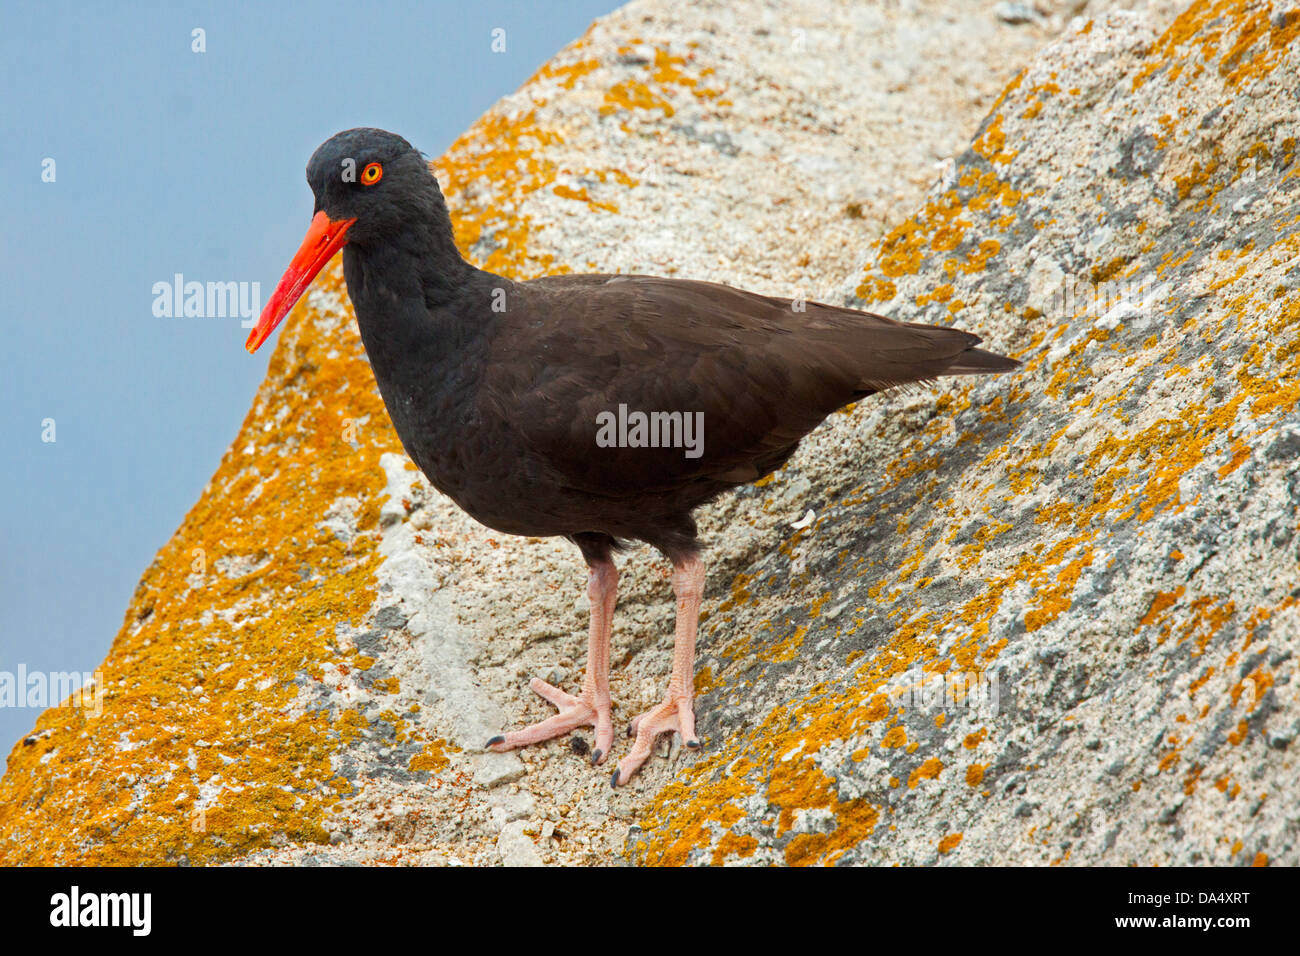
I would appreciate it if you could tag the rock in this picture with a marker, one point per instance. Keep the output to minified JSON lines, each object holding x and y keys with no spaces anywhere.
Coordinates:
{"x":1017,"y":13}
{"x":513,"y":806}
{"x":498,"y":769}
{"x":1070,"y":590}
{"x":516,"y":847}
{"x":1104,"y":525}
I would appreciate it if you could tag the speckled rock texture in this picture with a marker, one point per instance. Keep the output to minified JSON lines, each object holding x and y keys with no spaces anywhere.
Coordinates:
{"x":1060,"y":624}
{"x":1048,"y":617}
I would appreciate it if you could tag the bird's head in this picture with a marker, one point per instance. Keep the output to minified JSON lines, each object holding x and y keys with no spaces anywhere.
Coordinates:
{"x":369,"y":184}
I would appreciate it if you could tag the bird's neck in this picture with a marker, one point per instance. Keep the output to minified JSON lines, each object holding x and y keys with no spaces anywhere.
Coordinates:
{"x":424,"y":315}
{"x":420,"y":258}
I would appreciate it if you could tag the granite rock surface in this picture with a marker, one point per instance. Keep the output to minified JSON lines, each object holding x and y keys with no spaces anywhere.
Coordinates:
{"x":1047,"y":617}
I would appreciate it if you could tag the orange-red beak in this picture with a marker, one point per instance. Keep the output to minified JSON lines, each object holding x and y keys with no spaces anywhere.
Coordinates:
{"x":324,"y":237}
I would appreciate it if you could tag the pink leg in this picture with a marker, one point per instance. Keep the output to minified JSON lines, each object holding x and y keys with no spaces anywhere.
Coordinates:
{"x":676,"y":712}
{"x":592,"y":708}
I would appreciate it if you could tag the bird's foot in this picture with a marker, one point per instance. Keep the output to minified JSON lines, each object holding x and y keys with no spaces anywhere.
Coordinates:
{"x":675,"y":714}
{"x":575,"y":712}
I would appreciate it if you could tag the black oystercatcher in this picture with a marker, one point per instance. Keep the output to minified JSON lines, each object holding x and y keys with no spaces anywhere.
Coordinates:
{"x":597,"y":407}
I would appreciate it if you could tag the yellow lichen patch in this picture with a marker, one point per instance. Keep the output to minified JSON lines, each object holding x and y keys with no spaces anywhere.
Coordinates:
{"x":1257,"y":47}
{"x":1197,"y":620}
{"x":800,"y":785}
{"x":567,"y":74}
{"x":433,"y":758}
{"x":1251,"y":687}
{"x":732,"y":845}
{"x":714,"y":810}
{"x":666,"y":72}
{"x":972,"y":552}
{"x":1162,"y":602}
{"x":785,"y":650}
{"x":877,"y":290}
{"x":978,"y":259}
{"x":1259,"y":44}
{"x":940,"y":293}
{"x":1108,"y":271}
{"x":791,"y":784}
{"x":489,"y":172}
{"x":990,"y":188}
{"x":928,"y":770}
{"x":939,"y":227}
{"x":894,"y":737}
{"x":949,"y":843}
{"x":505,"y":153}
{"x":901,"y":249}
{"x":1164,"y":451}
{"x":877,"y":708}
{"x":1054,"y":600}
{"x":704,"y":681}
{"x":635,"y":95}
{"x":1198,"y":175}
{"x":991,"y":144}
{"x":568,"y":192}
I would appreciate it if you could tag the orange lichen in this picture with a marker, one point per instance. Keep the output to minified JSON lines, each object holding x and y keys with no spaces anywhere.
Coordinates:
{"x":665,"y":74}
{"x":894,"y":737}
{"x":704,"y":680}
{"x":991,"y":144}
{"x":732,"y":845}
{"x":928,"y":770}
{"x":567,"y":73}
{"x":568,"y":192}
{"x":1055,"y":600}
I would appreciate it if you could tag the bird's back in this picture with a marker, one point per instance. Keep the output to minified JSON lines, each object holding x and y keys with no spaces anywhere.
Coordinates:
{"x":758,"y":372}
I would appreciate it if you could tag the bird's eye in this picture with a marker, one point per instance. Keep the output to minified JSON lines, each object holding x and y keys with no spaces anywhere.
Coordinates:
{"x":372,"y":174}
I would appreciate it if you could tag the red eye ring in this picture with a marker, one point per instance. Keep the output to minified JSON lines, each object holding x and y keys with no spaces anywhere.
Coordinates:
{"x":372,"y":174}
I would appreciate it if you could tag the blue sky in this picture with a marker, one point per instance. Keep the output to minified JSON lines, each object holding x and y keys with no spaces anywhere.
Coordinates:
{"x":170,"y":161}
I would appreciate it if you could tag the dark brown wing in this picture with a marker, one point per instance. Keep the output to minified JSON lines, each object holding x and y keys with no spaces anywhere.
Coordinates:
{"x":758,"y":373}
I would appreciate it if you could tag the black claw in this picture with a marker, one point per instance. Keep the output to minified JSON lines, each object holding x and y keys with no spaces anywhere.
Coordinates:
{"x":595,"y":756}
{"x":498,"y":739}
{"x":693,"y":744}
{"x":614,"y":780}
{"x":629,"y":731}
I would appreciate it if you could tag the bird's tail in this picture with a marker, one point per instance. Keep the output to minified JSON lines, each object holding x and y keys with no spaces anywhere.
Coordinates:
{"x":980,"y":362}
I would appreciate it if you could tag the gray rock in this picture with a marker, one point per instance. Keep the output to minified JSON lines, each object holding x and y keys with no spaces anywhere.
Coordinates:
{"x":516,"y":847}
{"x":495,"y":770}
{"x":1017,"y":13}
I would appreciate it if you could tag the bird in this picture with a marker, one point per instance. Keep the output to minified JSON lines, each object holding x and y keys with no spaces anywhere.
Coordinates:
{"x":602,"y":408}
